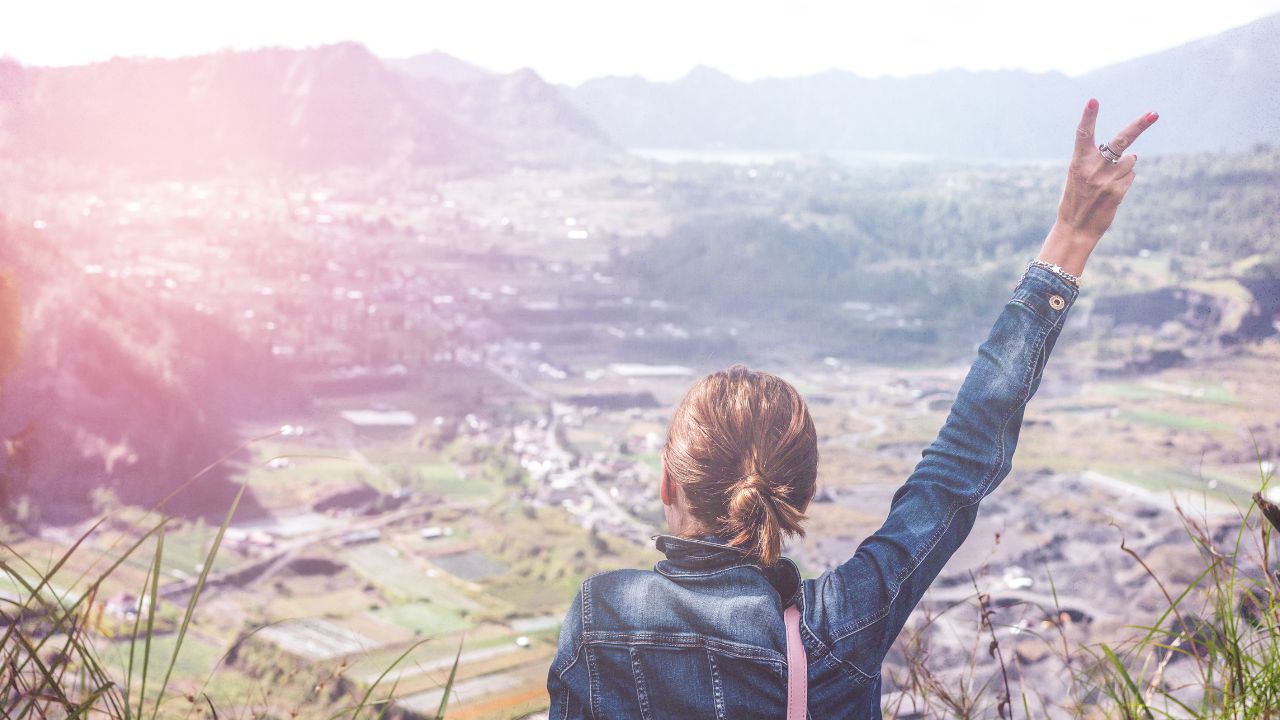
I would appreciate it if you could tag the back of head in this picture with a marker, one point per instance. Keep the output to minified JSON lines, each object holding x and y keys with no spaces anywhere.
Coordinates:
{"x":743,"y":450}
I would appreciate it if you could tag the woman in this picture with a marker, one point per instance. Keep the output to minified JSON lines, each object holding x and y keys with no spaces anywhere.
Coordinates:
{"x":703,"y":635}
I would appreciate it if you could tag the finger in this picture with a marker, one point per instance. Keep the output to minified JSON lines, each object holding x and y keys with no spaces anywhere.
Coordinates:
{"x":1126,"y":137}
{"x":1124,"y":183}
{"x":1125,"y":166}
{"x":1084,"y":132}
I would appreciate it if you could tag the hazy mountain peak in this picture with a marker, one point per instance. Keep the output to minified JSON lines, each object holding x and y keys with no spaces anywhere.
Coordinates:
{"x":706,"y":74}
{"x":526,"y":75}
{"x":1231,"y":50}
{"x":349,"y":48}
{"x":274,"y":108}
{"x":437,"y":65}
{"x":1217,"y":93}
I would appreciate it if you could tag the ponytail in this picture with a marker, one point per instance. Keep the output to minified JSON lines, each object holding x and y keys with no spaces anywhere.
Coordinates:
{"x":743,"y":449}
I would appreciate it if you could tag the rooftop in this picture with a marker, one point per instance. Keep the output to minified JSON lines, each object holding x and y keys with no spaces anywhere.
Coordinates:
{"x":380,"y":418}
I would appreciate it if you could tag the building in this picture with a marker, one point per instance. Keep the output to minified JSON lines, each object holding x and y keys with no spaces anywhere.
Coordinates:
{"x":379,"y":423}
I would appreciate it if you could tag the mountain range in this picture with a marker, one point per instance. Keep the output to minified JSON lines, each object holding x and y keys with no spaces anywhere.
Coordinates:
{"x":264,"y":110}
{"x":1219,"y":93}
{"x":340,"y":105}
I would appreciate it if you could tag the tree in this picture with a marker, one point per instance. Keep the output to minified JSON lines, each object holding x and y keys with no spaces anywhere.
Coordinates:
{"x":10,"y":328}
{"x":104,"y":500}
{"x":10,"y":348}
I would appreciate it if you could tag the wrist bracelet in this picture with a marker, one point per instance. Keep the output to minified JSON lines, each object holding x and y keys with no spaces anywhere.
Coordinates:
{"x":1056,"y":270}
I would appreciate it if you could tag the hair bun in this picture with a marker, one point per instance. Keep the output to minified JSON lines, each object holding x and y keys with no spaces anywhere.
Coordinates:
{"x":747,"y":495}
{"x":743,"y":450}
{"x":755,"y":480}
{"x":759,"y":516}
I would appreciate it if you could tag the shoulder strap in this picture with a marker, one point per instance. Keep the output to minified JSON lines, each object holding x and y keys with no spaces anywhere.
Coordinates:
{"x":797,"y":667}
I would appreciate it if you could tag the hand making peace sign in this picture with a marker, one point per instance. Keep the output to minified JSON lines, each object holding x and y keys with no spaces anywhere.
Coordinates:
{"x":1097,"y":180}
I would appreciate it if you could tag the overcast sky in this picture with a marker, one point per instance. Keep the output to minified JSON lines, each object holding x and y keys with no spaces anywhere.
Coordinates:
{"x":571,"y":40}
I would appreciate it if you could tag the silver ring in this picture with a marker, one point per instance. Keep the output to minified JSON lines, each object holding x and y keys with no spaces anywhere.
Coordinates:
{"x":1109,"y":154}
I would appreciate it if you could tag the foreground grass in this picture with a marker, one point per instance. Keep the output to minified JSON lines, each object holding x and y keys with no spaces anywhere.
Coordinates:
{"x":58,"y":659}
{"x":1223,"y":630}
{"x":1213,"y":651}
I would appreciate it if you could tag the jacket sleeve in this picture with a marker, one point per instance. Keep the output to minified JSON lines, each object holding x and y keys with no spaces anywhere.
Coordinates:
{"x":859,"y":608}
{"x":567,"y":678}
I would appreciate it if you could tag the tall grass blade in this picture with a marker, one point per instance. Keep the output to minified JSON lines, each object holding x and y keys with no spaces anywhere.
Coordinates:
{"x":364,"y":700}
{"x":68,"y":611}
{"x":195,"y":594}
{"x":85,"y":707}
{"x":448,"y":686}
{"x":386,"y":708}
{"x":1123,"y":672}
{"x":45,"y":577}
{"x":133,"y":641}
{"x":151,"y":617}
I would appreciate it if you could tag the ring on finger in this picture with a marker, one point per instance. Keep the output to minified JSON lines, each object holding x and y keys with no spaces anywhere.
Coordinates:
{"x":1112,"y":156}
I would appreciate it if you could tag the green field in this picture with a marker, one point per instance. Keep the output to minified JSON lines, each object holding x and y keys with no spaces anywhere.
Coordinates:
{"x":185,"y":551}
{"x":430,"y":472}
{"x":442,"y":478}
{"x":470,"y":565}
{"x":400,"y":578}
{"x":194,"y":662}
{"x":330,"y":604}
{"x":1170,"y":420}
{"x":1196,"y":391}
{"x":1163,"y":480}
{"x":423,"y":618}
{"x":537,"y":596}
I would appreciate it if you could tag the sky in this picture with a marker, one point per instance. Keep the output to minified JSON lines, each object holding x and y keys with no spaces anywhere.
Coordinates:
{"x":569,"y":41}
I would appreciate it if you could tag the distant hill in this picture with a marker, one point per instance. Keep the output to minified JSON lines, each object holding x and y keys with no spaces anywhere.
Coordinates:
{"x":118,"y":390}
{"x":1221,"y":92}
{"x":516,"y":115}
{"x":925,"y":254}
{"x":439,"y":66}
{"x":1218,"y":93}
{"x":273,"y":109}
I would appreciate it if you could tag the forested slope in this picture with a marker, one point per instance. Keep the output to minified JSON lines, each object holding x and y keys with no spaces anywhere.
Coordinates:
{"x":942,"y":243}
{"x":109,"y":388}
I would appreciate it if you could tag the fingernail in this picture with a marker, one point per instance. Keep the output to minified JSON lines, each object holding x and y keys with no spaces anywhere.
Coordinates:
{"x":1093,"y":104}
{"x":1152,"y":117}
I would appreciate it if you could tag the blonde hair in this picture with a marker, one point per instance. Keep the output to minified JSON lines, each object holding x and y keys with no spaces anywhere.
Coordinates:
{"x":743,"y":450}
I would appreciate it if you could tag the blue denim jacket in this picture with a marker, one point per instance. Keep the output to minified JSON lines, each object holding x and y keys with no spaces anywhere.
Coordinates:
{"x":702,"y":636}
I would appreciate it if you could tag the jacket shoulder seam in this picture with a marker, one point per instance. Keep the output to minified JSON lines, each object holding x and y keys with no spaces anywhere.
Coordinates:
{"x":683,"y":640}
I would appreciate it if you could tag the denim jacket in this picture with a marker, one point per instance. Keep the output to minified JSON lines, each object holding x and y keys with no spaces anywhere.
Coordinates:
{"x":702,"y":636}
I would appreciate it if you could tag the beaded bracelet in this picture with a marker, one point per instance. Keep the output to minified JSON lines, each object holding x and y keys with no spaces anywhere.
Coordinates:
{"x":1056,"y":270}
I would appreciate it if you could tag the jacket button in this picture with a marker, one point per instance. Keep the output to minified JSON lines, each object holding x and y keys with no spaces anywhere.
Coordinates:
{"x":1056,"y":302}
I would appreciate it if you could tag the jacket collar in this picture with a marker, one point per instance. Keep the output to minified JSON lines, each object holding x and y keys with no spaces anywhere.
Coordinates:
{"x":710,"y":553}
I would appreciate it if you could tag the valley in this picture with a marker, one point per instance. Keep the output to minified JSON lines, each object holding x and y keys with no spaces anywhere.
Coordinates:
{"x":476,"y":382}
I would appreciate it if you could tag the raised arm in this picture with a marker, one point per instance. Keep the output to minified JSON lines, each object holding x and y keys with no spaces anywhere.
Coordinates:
{"x":859,"y":608}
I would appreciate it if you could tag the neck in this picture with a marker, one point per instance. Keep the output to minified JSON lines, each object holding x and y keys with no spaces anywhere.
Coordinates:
{"x":680,"y":523}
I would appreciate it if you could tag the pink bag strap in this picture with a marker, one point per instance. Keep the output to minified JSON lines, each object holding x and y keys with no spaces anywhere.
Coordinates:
{"x":797,"y":667}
